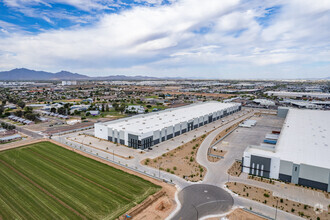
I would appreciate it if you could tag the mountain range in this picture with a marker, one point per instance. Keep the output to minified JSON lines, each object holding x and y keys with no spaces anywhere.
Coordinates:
{"x":27,"y":74}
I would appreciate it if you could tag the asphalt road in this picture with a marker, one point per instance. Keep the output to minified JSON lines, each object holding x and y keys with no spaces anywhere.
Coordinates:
{"x":29,"y":133}
{"x":200,"y":200}
{"x":25,"y":131}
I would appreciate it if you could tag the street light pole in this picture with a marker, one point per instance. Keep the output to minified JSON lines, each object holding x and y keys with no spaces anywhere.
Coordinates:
{"x":276,"y":209}
{"x":113,"y":155}
{"x":159,"y":169}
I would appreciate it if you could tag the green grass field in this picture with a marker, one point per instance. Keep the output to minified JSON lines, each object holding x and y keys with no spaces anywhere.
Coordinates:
{"x":45,"y":181}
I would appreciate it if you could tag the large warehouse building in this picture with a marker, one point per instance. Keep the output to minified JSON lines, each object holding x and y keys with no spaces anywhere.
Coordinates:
{"x":286,"y":94}
{"x":301,"y":154}
{"x":143,"y":131}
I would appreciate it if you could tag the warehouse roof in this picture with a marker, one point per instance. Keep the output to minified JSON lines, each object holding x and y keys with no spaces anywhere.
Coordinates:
{"x":299,"y":94}
{"x":156,"y":121}
{"x":304,"y":138}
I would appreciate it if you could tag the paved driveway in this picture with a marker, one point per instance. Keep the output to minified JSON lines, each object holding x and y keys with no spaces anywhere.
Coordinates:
{"x":199,"y":200}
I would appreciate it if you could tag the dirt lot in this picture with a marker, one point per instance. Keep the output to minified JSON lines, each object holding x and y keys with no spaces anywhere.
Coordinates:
{"x":235,"y":169}
{"x":266,"y":197}
{"x":220,"y":153}
{"x":181,"y":161}
{"x":160,"y":209}
{"x":214,"y":95}
{"x":238,"y":214}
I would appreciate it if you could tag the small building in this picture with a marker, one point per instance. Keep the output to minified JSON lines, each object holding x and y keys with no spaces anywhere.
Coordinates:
{"x":73,"y":121}
{"x":135,"y":109}
{"x":69,"y":83}
{"x":10,"y":138}
{"x":248,"y":123}
{"x":94,"y":112}
{"x":264,"y":102}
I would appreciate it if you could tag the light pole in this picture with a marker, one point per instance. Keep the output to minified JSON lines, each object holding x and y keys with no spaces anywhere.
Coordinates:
{"x":159,"y":169}
{"x":276,"y":209}
{"x":113,"y":155}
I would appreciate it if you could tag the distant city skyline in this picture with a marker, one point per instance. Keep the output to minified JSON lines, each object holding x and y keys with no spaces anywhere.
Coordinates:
{"x":227,"y":39}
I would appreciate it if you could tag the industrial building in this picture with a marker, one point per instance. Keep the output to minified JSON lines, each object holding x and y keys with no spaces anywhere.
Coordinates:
{"x":299,"y":154}
{"x":286,"y":94}
{"x":143,"y":131}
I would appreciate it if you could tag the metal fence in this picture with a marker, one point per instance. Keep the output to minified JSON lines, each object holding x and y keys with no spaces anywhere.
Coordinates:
{"x":79,"y":147}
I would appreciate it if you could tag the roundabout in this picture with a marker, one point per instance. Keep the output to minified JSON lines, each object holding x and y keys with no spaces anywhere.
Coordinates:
{"x":200,"y":200}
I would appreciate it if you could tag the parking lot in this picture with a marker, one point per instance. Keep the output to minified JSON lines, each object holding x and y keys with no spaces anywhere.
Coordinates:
{"x":243,"y":137}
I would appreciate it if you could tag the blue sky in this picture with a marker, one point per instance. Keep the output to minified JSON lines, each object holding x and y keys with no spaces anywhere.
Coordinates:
{"x":238,"y":39}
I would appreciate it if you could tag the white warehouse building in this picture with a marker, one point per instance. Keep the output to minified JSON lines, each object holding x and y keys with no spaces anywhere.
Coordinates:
{"x":301,"y":154}
{"x":143,"y":131}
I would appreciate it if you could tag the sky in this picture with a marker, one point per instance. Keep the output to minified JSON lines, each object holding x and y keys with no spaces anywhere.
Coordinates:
{"x":219,"y":39}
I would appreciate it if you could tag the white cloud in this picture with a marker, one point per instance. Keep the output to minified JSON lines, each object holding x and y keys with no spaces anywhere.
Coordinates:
{"x":81,"y":4}
{"x":166,"y":38}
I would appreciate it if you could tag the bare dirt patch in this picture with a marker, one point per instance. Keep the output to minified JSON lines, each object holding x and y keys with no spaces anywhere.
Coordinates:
{"x":159,"y":209}
{"x":266,"y":197}
{"x":240,"y":214}
{"x":235,"y":169}
{"x":216,"y":153}
{"x":181,"y":161}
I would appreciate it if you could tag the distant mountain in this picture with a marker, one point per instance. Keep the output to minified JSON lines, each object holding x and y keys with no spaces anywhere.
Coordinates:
{"x":68,"y":75}
{"x":26,"y":74}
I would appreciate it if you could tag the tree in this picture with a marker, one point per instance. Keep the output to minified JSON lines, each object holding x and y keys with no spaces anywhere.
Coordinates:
{"x":19,"y":113}
{"x":61,"y":111}
{"x":122,"y":108}
{"x":28,"y":109}
{"x":30,"y":116}
{"x":1,"y":109}
{"x":107,"y":107}
{"x":103,"y":108}
{"x":115,"y":106}
{"x":21,"y":104}
{"x":53,"y":110}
